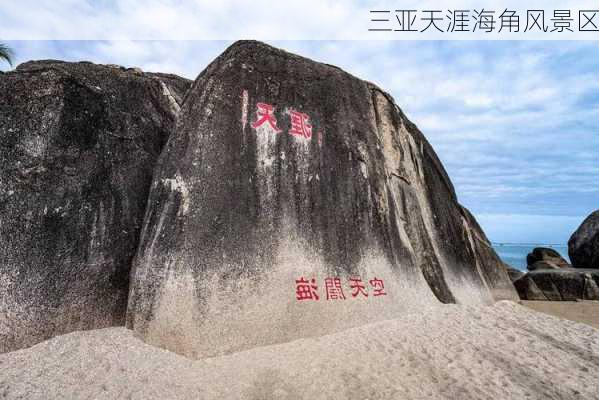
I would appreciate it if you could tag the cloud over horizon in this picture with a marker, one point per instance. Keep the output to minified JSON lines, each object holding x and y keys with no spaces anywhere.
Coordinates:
{"x":515,"y":123}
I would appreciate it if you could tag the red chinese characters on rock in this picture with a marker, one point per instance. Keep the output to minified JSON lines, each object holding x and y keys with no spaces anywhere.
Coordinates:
{"x":357,"y":286}
{"x":334,"y":289}
{"x":266,"y":114}
{"x":300,"y":124}
{"x":378,"y":286}
{"x":308,"y":289}
{"x":305,"y":290}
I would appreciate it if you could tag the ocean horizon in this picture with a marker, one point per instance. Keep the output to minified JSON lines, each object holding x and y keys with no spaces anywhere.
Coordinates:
{"x":515,"y":254}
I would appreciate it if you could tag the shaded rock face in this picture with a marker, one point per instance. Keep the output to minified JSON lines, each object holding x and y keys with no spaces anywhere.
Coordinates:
{"x":513,"y":273}
{"x":565,"y":284}
{"x":545,"y":258}
{"x":283,"y":170}
{"x":78,"y":143}
{"x":583,"y":246}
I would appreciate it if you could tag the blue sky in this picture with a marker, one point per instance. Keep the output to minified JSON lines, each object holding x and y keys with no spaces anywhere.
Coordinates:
{"x":516,"y":124}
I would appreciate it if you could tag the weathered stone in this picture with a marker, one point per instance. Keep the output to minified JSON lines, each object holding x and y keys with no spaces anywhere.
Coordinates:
{"x":543,"y":258}
{"x":238,"y":212}
{"x":528,"y":289}
{"x":542,"y":265}
{"x":583,"y":246}
{"x":513,"y":273}
{"x":559,"y":284}
{"x":78,"y":143}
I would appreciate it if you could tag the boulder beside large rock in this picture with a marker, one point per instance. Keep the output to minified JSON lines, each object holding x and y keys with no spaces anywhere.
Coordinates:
{"x":78,"y":145}
{"x":563,"y":284}
{"x":545,"y":258}
{"x":583,"y":246}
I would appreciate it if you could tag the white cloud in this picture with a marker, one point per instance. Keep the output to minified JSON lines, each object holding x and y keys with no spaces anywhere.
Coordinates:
{"x":229,"y":20}
{"x":515,"y":123}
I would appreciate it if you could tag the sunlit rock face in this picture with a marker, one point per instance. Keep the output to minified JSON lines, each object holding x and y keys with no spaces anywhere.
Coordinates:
{"x":78,"y":144}
{"x":283,"y":170}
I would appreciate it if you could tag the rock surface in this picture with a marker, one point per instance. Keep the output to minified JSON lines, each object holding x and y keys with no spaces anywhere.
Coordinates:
{"x":545,"y":258}
{"x":559,"y":284}
{"x":513,"y":273}
{"x":583,"y":246}
{"x":78,"y":144}
{"x":504,"y":351}
{"x":542,"y":265}
{"x":281,"y":169}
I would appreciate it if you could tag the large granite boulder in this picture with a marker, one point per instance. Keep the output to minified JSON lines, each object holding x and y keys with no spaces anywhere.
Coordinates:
{"x":583,"y":246}
{"x":545,"y":258}
{"x":566,"y":284}
{"x":78,"y":144}
{"x":289,"y":192}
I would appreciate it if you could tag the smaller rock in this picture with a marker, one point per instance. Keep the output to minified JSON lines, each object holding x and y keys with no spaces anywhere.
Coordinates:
{"x":545,"y":258}
{"x":563,"y":284}
{"x":583,"y":246}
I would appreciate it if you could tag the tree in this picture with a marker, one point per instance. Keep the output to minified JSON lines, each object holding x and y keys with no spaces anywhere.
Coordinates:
{"x":6,"y":53}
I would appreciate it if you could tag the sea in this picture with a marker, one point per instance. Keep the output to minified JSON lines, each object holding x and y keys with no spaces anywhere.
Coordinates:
{"x":514,"y":254}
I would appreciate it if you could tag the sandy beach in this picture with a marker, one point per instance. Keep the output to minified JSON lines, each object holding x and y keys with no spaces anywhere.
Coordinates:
{"x":504,"y":351}
{"x":585,"y":311}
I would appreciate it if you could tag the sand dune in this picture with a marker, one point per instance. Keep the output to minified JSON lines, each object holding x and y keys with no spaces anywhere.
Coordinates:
{"x":503,"y":351}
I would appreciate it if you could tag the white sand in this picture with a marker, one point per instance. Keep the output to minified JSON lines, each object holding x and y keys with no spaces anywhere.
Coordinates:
{"x":497,"y":352}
